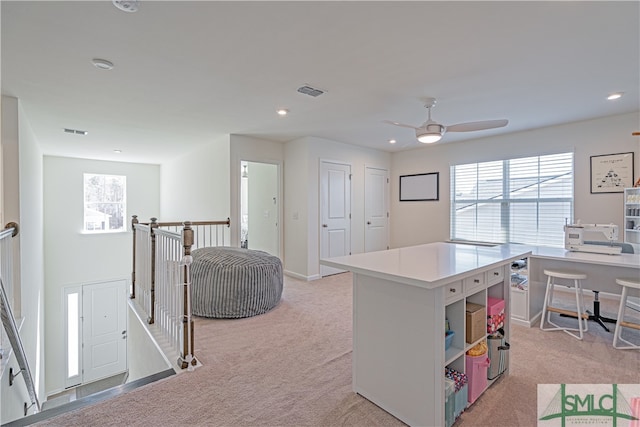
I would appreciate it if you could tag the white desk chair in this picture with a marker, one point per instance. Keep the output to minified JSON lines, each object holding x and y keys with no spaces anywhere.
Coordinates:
{"x":548,"y":307}
{"x":626,"y":284}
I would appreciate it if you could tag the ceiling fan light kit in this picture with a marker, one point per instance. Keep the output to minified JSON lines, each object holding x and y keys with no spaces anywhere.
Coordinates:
{"x":431,"y":131}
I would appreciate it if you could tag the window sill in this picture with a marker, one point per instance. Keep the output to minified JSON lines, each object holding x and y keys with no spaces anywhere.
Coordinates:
{"x":103,"y":233}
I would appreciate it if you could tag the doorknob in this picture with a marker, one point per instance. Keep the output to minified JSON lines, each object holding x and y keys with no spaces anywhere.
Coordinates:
{"x":324,"y":225}
{"x":368,"y":222}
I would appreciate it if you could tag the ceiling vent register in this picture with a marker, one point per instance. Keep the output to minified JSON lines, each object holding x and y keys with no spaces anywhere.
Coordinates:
{"x":76,"y":131}
{"x":308,"y":90}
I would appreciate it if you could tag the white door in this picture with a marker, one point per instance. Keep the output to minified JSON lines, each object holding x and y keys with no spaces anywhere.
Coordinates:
{"x":376,"y":209}
{"x":262,"y":210}
{"x":335,"y":213}
{"x":104,"y":330}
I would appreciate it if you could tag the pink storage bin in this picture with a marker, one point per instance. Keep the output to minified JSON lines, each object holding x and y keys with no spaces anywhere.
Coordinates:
{"x":494,"y":306}
{"x":495,"y":314}
{"x":476,"y":370}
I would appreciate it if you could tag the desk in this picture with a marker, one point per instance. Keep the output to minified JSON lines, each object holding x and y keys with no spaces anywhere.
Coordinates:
{"x":401,"y":298}
{"x":602,"y":271}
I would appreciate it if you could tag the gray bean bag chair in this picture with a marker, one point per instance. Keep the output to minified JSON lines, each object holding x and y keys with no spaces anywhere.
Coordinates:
{"x":233,"y":282}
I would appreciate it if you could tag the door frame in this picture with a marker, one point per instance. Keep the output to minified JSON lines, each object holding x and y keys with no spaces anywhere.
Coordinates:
{"x":235,"y":237}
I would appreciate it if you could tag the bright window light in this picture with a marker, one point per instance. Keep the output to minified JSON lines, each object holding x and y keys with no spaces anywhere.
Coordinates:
{"x":73,"y":335}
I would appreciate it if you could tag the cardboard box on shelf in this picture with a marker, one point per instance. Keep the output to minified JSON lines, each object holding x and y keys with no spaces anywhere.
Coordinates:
{"x":476,"y":322}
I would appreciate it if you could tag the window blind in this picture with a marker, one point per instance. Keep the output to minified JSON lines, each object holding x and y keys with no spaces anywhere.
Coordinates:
{"x":524,"y":200}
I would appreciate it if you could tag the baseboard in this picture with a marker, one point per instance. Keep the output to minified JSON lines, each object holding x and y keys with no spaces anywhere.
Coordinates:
{"x":301,"y":276}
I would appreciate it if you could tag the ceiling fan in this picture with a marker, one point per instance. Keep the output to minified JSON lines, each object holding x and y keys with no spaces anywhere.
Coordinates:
{"x":430,"y":131}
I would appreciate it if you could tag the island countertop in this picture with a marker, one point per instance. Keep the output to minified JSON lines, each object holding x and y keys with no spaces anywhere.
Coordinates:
{"x":430,"y":265}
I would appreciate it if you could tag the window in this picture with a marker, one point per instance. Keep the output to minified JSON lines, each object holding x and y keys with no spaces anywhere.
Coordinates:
{"x":526,"y":200}
{"x":104,"y":203}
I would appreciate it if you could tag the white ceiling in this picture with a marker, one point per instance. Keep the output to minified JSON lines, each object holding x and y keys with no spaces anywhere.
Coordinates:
{"x":188,"y":72}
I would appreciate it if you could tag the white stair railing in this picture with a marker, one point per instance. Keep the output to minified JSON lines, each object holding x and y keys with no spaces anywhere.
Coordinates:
{"x":161,"y":278}
{"x":11,"y":332}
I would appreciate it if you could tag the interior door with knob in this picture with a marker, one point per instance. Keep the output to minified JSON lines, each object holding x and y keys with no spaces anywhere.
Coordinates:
{"x":335,"y":213}
{"x":104,"y":330}
{"x":376,"y":209}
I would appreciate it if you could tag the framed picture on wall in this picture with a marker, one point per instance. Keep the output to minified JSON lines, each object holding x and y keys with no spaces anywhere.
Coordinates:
{"x":611,"y":173}
{"x":420,"y":187}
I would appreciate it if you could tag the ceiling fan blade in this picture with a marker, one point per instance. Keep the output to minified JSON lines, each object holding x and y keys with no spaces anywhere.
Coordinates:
{"x":399,"y":124}
{"x":471,"y":126}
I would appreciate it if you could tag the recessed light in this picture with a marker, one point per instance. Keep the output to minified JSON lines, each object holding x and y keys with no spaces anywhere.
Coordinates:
{"x":117,"y":151}
{"x":103,"y":64}
{"x":126,"y":5}
{"x":616,"y":95}
{"x":392,"y":141}
{"x":283,"y":112}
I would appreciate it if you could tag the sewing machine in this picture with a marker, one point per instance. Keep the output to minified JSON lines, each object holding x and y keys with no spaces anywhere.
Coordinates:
{"x":574,"y":238}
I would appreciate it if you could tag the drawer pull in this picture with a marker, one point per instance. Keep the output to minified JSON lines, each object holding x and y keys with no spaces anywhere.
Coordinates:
{"x":452,"y":290}
{"x":476,"y":280}
{"x":495,"y":273}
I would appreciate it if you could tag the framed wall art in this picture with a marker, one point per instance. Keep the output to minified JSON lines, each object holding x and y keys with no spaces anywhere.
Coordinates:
{"x":420,"y":187}
{"x":611,"y":173}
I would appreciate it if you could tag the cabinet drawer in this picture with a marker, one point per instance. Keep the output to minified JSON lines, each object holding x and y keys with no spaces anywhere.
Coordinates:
{"x":495,"y":276}
{"x":453,"y":291}
{"x":474,"y":283}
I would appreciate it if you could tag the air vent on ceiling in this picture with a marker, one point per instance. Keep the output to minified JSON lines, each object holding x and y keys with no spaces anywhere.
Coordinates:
{"x":308,"y":90}
{"x":76,"y":131}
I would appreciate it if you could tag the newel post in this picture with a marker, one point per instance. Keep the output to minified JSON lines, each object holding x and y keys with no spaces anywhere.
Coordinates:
{"x":187,"y":356}
{"x":152,"y":233}
{"x":134,"y":221}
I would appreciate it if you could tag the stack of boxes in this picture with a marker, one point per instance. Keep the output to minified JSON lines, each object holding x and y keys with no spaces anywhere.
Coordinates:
{"x":495,"y":315}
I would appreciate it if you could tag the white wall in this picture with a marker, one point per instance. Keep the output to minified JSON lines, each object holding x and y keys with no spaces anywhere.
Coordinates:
{"x":195,"y":186}
{"x":74,"y":258}
{"x":144,"y":358}
{"x":296,"y":208}
{"x":422,"y":222}
{"x":302,"y":173}
{"x":24,"y":191}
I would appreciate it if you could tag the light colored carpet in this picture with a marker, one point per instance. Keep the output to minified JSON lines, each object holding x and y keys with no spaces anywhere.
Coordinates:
{"x":292,"y":367}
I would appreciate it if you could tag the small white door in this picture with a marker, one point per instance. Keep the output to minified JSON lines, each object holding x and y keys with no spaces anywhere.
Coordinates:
{"x":104,"y":330}
{"x":335,"y":217}
{"x":376,"y":209}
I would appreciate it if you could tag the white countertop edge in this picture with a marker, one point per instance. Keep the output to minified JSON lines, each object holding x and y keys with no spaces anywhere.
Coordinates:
{"x":561,"y":254}
{"x":421,"y":282}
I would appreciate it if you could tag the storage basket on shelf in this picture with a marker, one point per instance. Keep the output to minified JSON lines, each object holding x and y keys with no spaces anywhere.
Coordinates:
{"x":498,"y":355}
{"x":460,"y":390}
{"x":449,"y":402}
{"x":477,"y":363}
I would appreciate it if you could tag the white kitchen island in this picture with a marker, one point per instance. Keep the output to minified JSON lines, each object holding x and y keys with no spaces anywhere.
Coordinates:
{"x":401,"y":298}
